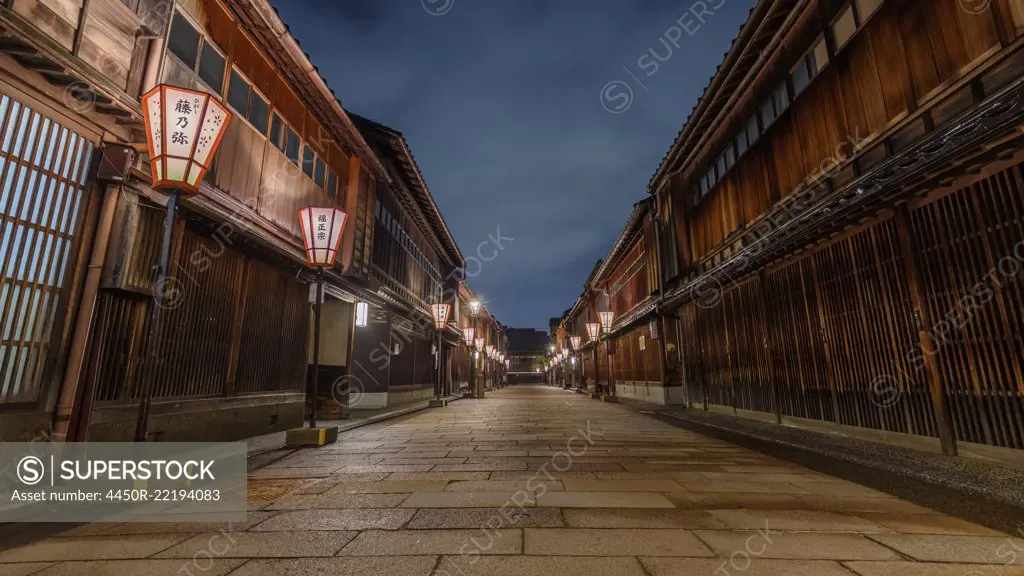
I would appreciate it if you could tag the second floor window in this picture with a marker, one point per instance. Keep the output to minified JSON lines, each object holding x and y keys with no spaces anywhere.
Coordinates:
{"x":197,"y":53}
{"x":248,"y":103}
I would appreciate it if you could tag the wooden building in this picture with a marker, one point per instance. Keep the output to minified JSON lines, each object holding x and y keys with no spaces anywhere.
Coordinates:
{"x":414,"y":262}
{"x":81,"y":228}
{"x":629,"y":360}
{"x":842,"y":221}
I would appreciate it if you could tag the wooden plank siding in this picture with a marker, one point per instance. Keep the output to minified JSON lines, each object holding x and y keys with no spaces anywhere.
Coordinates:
{"x":834,"y":331}
{"x":904,"y":56}
{"x":247,"y":165}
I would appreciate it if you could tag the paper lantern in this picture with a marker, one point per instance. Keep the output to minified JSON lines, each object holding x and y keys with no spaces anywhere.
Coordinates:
{"x":183,"y":130}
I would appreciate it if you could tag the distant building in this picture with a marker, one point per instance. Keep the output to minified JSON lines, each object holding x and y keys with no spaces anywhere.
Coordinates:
{"x":526,"y":348}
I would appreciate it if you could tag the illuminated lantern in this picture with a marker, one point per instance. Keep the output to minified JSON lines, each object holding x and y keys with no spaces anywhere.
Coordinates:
{"x":183,"y":130}
{"x":575,"y":341}
{"x":594,"y":330}
{"x":467,"y":334}
{"x":479,"y":343}
{"x":606,"y":320}
{"x":321,"y":234}
{"x":440,"y":313}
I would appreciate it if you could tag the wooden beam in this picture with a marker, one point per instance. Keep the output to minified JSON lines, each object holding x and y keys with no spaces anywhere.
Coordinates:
{"x":919,"y":300}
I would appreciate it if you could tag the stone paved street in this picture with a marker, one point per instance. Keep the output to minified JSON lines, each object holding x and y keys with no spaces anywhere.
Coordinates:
{"x":536,"y":480}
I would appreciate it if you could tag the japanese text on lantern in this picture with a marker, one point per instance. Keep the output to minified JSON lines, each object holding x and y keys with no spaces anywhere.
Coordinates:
{"x":321,"y":227}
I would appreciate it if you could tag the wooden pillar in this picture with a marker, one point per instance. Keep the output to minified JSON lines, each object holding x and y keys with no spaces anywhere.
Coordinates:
{"x":919,"y":302}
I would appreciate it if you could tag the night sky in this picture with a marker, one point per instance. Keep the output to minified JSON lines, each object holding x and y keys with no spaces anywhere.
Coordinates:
{"x":505,"y":104}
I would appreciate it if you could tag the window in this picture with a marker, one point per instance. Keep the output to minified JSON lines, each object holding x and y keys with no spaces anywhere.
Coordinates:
{"x":781,"y":99}
{"x":865,"y":8}
{"x":752,"y":130}
{"x":211,"y":68}
{"x":277,"y":132}
{"x":238,"y":93}
{"x":184,"y":40}
{"x":801,"y":75}
{"x":721,"y":165}
{"x":730,"y":157}
{"x":332,"y":184}
{"x":248,"y":103}
{"x":843,"y":27}
{"x":320,"y":175}
{"x":767,"y":113}
{"x":741,"y":143}
{"x":704,"y":185}
{"x":818,"y":57}
{"x":259,"y":111}
{"x":292,"y":147}
{"x":308,"y":161}
{"x":194,"y":51}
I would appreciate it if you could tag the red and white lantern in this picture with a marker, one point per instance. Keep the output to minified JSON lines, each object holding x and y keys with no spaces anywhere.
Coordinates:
{"x":183,"y":130}
{"x":440,"y":313}
{"x":321,"y":234}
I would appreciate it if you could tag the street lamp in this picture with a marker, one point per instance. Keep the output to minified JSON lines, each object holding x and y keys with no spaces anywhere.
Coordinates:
{"x":606,"y":320}
{"x":474,"y":307}
{"x":607,"y":317}
{"x":593,"y":330}
{"x":575,"y":342}
{"x":468,"y":334}
{"x":321,"y":235}
{"x":183,"y":131}
{"x":440,"y":315}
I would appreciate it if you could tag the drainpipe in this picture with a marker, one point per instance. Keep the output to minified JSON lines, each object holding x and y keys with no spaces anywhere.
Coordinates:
{"x":73,"y":414}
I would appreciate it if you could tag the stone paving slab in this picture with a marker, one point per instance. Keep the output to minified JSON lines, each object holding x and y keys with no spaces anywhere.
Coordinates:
{"x":947,"y":548}
{"x":639,"y":518}
{"x":540,"y":566}
{"x":207,"y":566}
{"x":741,"y":565}
{"x":612,"y":542}
{"x":456,"y":542}
{"x":93,"y":548}
{"x":796,"y":545}
{"x":262,"y":545}
{"x":930,"y":569}
{"x":479,"y":518}
{"x":23,"y":569}
{"x":349,"y":519}
{"x":353,"y":566}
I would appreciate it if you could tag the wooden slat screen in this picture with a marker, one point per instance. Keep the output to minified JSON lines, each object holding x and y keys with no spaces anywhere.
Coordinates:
{"x":276,"y":318}
{"x":43,"y":168}
{"x":199,"y":337}
{"x":842,"y":341}
{"x":970,"y":257}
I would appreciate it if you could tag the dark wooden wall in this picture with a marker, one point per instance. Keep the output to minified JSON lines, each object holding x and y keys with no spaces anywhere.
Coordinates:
{"x":906,"y":54}
{"x":831,"y":335}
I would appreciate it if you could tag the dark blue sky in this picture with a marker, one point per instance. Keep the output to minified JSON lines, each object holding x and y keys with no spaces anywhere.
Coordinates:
{"x":505,"y":105}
